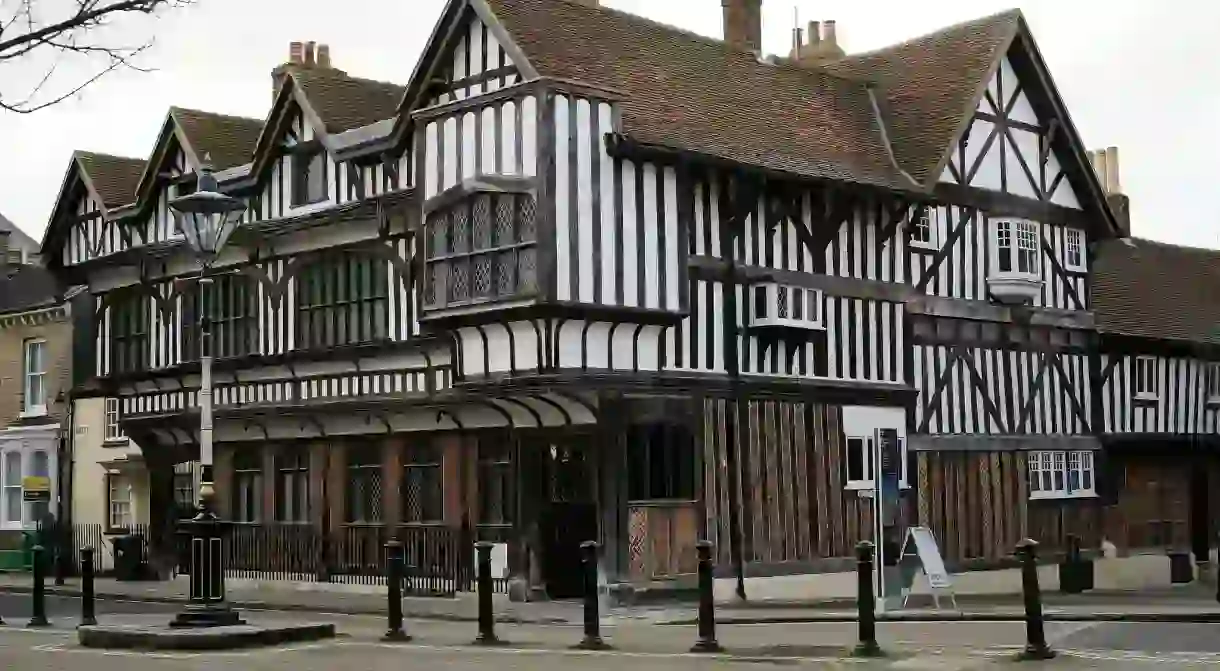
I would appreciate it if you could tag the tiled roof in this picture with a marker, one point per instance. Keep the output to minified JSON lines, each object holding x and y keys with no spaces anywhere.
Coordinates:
{"x":700,"y":94}
{"x":28,"y":287}
{"x":345,"y":102}
{"x":931,"y":84}
{"x":114,"y":177}
{"x":1152,"y":289}
{"x":228,"y":140}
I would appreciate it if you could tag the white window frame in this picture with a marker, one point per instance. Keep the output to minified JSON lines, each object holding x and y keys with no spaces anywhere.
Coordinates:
{"x":119,"y":513}
{"x":870,"y":465}
{"x":1008,"y":239}
{"x":1051,"y":474}
{"x":1145,"y":370}
{"x":924,"y":221}
{"x":1073,"y":244}
{"x":1211,"y":381}
{"x":114,"y":431}
{"x":6,"y":457}
{"x":28,"y":375}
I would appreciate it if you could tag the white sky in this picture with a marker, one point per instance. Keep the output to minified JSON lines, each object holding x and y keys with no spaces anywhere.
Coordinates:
{"x":1134,"y":74}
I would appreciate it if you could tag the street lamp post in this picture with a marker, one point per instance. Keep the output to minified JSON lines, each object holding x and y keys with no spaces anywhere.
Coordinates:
{"x":207,"y":218}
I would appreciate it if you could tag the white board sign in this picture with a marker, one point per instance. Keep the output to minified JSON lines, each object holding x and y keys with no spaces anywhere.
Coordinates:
{"x":929,"y":557}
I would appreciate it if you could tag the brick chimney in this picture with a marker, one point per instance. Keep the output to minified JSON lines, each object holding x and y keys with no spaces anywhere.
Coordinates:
{"x":1105,"y":164}
{"x":743,"y":24}
{"x":822,"y":45}
{"x":302,"y":56}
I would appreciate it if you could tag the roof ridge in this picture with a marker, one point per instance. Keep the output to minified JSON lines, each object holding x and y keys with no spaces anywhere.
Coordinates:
{"x":779,"y":62}
{"x":1015,"y":12}
{"x":1169,"y":245}
{"x":342,"y":74}
{"x":102,"y":154}
{"x":176,"y":108}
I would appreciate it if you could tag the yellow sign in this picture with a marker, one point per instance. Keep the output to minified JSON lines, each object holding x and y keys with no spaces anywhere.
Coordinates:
{"x":36,"y":483}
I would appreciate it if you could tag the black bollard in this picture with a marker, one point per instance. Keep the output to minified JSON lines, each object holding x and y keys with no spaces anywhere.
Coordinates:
{"x":593,"y":638}
{"x":394,"y":577}
{"x":487,"y":621}
{"x":88,"y":615}
{"x":39,"y":618}
{"x":707,"y":608}
{"x":866,"y":602}
{"x":1035,"y":628}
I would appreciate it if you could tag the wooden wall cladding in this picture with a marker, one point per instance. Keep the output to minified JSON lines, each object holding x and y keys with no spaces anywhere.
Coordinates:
{"x":790,"y":465}
{"x":663,"y":537}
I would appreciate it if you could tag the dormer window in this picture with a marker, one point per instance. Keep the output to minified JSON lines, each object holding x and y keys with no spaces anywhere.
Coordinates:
{"x":309,"y":177}
{"x":789,"y":306}
{"x":1015,"y":276}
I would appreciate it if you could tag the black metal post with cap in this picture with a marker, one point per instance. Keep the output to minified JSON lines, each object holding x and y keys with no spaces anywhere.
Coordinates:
{"x":207,"y":218}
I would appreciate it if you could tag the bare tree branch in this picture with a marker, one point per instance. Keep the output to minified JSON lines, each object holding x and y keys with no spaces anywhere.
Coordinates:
{"x":40,"y":36}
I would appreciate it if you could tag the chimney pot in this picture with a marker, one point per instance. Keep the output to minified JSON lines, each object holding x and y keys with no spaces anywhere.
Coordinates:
{"x":1113,"y":186}
{"x":296,"y":52}
{"x":310,"y":50}
{"x":743,"y":24}
{"x":829,"y":34}
{"x":324,"y":55}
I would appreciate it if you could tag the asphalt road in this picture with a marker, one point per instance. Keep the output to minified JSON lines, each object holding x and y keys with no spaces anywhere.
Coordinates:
{"x":15,"y":608}
{"x":1145,"y":637}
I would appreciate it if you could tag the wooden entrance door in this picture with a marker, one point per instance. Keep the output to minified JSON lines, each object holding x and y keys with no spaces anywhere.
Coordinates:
{"x":1154,"y":505}
{"x":569,"y":517}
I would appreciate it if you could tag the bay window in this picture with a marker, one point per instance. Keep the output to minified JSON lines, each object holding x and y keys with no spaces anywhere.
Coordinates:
{"x":481,"y":249}
{"x":1016,"y":245}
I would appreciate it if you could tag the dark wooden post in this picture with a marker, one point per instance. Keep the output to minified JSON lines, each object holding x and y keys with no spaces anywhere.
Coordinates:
{"x":593,"y":637}
{"x":707,"y":607}
{"x":88,"y":614}
{"x":866,"y":602}
{"x":487,"y":620}
{"x":1035,"y":628}
{"x":395,"y":632}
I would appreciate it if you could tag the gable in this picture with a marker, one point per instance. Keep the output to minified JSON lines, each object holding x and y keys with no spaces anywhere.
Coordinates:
{"x":1009,"y":147}
{"x":473,"y":62}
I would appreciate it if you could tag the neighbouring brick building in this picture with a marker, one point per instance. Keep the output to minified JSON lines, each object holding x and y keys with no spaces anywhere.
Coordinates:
{"x":35,"y":375}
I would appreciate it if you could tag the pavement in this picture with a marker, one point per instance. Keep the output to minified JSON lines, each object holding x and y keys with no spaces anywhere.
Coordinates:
{"x":1186,"y":603}
{"x":638,"y":646}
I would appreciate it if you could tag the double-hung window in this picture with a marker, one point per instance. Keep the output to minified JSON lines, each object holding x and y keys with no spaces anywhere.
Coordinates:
{"x":923,"y":227}
{"x":1061,"y":474}
{"x":1073,"y":249}
{"x":1212,"y":377}
{"x":114,"y":431}
{"x":34,"y":375}
{"x":1144,"y":378}
{"x":1016,"y":246}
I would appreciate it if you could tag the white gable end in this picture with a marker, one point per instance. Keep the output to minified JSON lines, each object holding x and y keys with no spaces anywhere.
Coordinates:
{"x":1015,"y":160}
{"x":476,"y":64}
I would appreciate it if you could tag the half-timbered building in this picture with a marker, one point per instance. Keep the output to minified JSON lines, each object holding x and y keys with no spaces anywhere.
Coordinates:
{"x":591,"y":276}
{"x":1157,"y":391}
